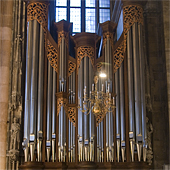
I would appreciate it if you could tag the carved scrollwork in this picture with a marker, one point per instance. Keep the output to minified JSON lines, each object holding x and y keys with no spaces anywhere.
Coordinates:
{"x":131,"y":14}
{"x":52,"y":55}
{"x":72,"y":115}
{"x":39,"y":12}
{"x":107,"y":35}
{"x":84,"y":51}
{"x":99,"y":66}
{"x":118,"y":56}
{"x":62,"y":102}
{"x":71,"y":67}
{"x":100,"y":117}
{"x":62,"y":34}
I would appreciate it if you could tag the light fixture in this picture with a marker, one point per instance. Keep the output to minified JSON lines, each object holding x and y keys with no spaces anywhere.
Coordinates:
{"x":98,"y":101}
{"x":102,"y":75}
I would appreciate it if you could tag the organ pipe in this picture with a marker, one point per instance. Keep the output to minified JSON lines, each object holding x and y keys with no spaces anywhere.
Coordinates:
{"x":130,"y":92}
{"x":142,"y":80}
{"x":34,"y":88}
{"x":137,"y":89}
{"x":122,"y":121}
{"x":136,"y":80}
{"x":27,"y":108}
{"x":117,"y":112}
{"x":53,"y":114}
{"x":49,"y":110}
{"x":40,"y":92}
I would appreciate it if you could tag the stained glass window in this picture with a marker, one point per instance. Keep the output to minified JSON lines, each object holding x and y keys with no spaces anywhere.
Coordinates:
{"x":61,"y":13}
{"x":104,"y":15}
{"x":90,"y":3}
{"x":61,"y":2}
{"x":75,"y":18}
{"x":90,"y":20}
{"x":74,"y":3}
{"x":82,"y":13}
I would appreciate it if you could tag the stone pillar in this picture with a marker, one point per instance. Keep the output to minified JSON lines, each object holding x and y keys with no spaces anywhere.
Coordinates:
{"x":166,"y":12}
{"x":6,"y":13}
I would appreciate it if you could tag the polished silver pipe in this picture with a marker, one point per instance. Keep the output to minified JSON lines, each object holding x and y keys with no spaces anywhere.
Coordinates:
{"x":53,"y":114}
{"x":122,"y":119}
{"x":137,"y":83}
{"x":61,"y":131}
{"x":64,"y":135}
{"x":34,"y":77}
{"x":142,"y":76}
{"x":86,"y":83}
{"x":33,"y":113}
{"x":117,"y":103}
{"x":130,"y":85}
{"x":49,"y":110}
{"x":117,"y":90}
{"x":27,"y":108}
{"x":81,"y":98}
{"x":122,"y":103}
{"x":71,"y":140}
{"x":137,"y":88}
{"x":40,"y":94}
{"x":40,"y":80}
{"x":142,"y":80}
{"x":49,"y":98}
{"x":130,"y":92}
{"x":54,"y":102}
{"x":59,"y":135}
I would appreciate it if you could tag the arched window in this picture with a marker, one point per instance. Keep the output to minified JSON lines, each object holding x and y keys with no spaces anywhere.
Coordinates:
{"x":84,"y":14}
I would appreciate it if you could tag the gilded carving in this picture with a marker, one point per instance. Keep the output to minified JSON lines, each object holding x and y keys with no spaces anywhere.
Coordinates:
{"x":72,"y":115}
{"x":39,"y":12}
{"x":118,"y":56}
{"x":99,"y":66}
{"x":71,"y":67}
{"x":52,"y":55}
{"x":84,"y":51}
{"x":62,"y":102}
{"x":62,"y":34}
{"x":131,"y":14}
{"x":100,"y":116}
{"x":108,"y":35}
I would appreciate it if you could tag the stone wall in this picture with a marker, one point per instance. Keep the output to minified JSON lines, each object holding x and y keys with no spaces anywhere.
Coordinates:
{"x":156,"y":62}
{"x":6,"y":13}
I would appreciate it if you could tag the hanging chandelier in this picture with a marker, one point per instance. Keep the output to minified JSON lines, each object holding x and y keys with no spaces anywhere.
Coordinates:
{"x":98,"y":101}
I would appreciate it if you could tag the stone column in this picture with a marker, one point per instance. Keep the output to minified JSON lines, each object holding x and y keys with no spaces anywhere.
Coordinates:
{"x":6,"y":13}
{"x":166,"y":19}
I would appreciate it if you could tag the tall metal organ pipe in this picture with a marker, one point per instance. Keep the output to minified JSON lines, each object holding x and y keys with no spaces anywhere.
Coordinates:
{"x":27,"y":108}
{"x":142,"y":80}
{"x":49,"y":111}
{"x":86,"y":122}
{"x":122,"y":119}
{"x":40,"y":93}
{"x":130,"y":92}
{"x":33,"y":113}
{"x":117,"y":113}
{"x":137,"y":89}
{"x":91,"y":115}
{"x":53,"y":114}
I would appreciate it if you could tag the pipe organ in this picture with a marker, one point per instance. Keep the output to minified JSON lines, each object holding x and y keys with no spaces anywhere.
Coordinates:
{"x":57,"y":134}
